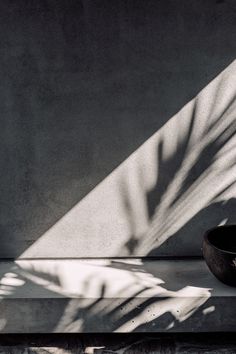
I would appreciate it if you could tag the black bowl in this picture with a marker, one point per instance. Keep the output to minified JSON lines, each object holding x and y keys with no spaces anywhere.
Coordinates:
{"x":219,"y":251}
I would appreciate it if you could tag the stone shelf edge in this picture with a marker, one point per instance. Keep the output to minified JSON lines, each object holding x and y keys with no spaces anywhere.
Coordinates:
{"x":113,"y":295}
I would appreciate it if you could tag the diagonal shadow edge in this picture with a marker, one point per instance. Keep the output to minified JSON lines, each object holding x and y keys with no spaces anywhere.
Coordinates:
{"x":84,"y":229}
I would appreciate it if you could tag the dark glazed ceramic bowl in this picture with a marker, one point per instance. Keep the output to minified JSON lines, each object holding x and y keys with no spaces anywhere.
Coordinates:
{"x":219,"y":251}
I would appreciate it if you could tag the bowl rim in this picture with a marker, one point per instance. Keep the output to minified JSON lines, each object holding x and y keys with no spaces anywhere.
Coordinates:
{"x":206,"y":239}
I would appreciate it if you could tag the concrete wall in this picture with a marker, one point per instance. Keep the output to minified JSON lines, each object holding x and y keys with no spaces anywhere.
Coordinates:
{"x":83,"y":84}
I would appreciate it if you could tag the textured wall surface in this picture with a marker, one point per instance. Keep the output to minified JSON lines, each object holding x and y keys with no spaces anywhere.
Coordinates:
{"x":83,"y":84}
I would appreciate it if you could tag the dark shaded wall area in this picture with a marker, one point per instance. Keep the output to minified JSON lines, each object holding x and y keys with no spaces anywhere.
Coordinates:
{"x":83,"y":84}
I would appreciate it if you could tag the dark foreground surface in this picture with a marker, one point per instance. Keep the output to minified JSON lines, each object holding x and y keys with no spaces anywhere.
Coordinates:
{"x":119,"y":343}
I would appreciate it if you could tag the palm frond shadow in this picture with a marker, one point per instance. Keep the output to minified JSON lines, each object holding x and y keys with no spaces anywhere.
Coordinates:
{"x":117,"y":306}
{"x":136,"y":308}
{"x":195,"y":184}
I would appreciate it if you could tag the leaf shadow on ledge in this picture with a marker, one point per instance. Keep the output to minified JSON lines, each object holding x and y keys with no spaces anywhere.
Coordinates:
{"x":118,"y":296}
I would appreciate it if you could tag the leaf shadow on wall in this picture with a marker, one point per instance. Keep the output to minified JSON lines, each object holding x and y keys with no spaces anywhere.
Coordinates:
{"x":84,"y":84}
{"x":195,"y":184}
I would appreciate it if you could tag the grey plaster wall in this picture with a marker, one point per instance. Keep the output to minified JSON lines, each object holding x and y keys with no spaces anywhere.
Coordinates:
{"x":82,"y":85}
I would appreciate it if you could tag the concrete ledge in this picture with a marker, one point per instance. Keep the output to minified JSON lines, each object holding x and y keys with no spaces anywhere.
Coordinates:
{"x":118,"y":295}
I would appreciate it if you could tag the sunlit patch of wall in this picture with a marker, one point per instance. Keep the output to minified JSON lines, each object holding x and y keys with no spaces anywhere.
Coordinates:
{"x":83,"y":84}
{"x":180,"y":182}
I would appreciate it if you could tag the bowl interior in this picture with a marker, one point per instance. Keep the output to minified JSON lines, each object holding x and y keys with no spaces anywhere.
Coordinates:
{"x":223,"y":237}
